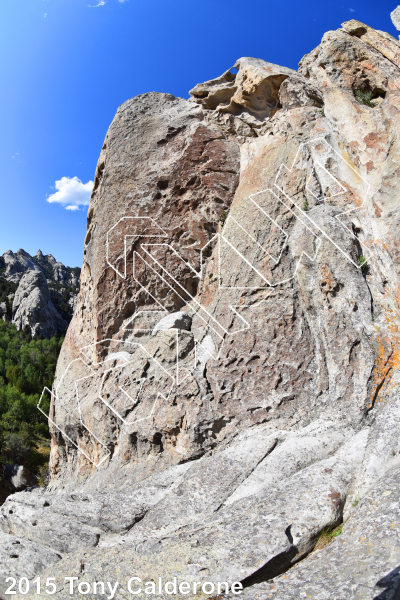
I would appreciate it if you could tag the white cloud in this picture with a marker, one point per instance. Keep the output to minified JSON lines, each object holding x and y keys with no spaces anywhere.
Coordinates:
{"x":16,"y":155}
{"x":122,"y":0}
{"x":100,"y":3}
{"x":71,"y":193}
{"x":45,"y":15}
{"x":352,"y":10}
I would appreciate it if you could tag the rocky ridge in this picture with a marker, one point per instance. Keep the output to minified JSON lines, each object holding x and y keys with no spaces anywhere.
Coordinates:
{"x":14,"y":265}
{"x":44,"y":292}
{"x":228,"y":388}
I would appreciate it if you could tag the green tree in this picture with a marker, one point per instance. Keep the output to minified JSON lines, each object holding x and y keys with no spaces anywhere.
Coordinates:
{"x":27,"y":365}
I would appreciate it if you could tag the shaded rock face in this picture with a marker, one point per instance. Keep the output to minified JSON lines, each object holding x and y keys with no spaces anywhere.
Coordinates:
{"x":217,"y":446}
{"x":32,"y":306}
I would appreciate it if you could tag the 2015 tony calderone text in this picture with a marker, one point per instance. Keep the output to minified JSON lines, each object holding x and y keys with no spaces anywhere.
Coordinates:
{"x":134,"y":586}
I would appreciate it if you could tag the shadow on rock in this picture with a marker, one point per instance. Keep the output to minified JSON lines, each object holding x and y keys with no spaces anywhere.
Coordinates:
{"x":391,"y":582}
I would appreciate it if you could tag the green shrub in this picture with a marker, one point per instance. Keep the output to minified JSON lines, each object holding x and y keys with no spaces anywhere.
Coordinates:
{"x":363,"y":263}
{"x":15,"y":448}
{"x":327,"y":535}
{"x":222,"y":218}
{"x":365,"y":97}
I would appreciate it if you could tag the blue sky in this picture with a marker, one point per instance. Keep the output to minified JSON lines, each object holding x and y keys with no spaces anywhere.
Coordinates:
{"x":66,"y":66}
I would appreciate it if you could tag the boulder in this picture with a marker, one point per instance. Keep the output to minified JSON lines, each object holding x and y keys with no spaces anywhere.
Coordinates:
{"x":178,"y":320}
{"x":32,"y":521}
{"x":395,"y":16}
{"x":250,"y":86}
{"x":252,"y":539}
{"x":19,"y":476}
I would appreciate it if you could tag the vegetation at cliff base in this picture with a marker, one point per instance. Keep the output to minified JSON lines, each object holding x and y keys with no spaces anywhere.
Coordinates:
{"x":27,"y":365}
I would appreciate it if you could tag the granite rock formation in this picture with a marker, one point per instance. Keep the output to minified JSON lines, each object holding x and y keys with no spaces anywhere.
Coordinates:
{"x":52,"y":289}
{"x":14,"y":265}
{"x":395,"y":16}
{"x":218,"y":446}
{"x":32,"y":306}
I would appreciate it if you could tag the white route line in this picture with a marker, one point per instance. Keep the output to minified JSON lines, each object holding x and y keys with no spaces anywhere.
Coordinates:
{"x":68,"y":438}
{"x":300,"y":215}
{"x":141,"y":234}
{"x":192,"y":298}
{"x":337,"y":217}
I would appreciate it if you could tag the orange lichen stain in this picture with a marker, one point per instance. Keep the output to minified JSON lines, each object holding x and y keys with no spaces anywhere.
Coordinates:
{"x":383,"y":366}
{"x":355,"y":199}
{"x":383,"y":245}
{"x":387,"y":360}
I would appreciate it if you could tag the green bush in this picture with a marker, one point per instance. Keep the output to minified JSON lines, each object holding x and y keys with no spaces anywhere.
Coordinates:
{"x":365,"y":97}
{"x":222,"y":218}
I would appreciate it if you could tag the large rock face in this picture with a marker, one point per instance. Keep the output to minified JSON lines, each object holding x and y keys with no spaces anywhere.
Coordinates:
{"x":217,"y":444}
